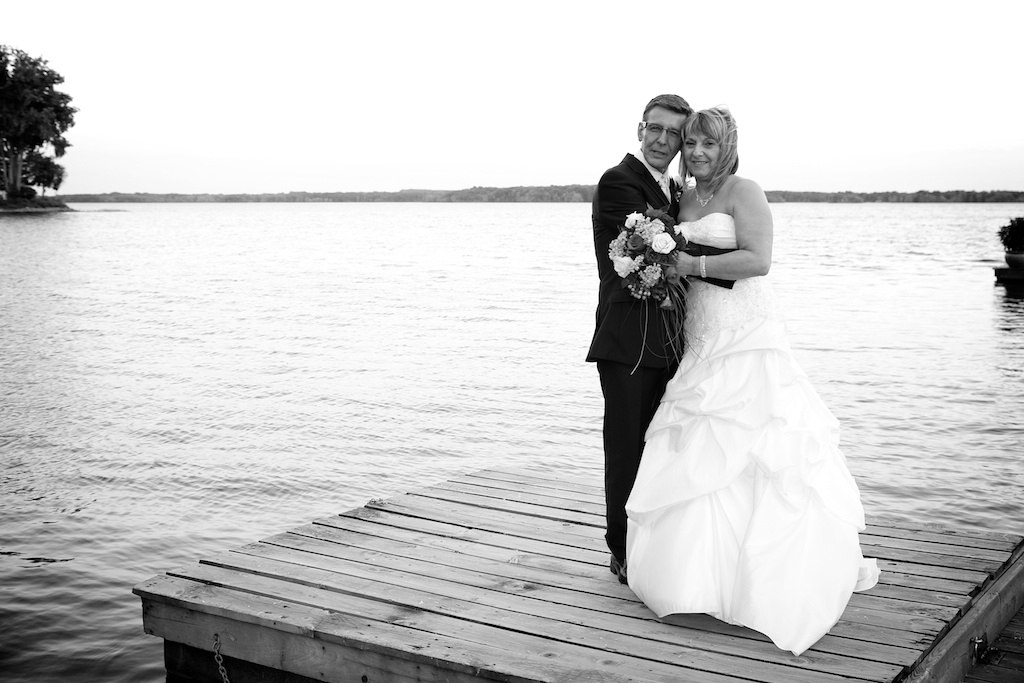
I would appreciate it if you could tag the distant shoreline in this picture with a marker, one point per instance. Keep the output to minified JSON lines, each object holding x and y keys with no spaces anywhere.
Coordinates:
{"x":35,"y":209}
{"x":34,"y":205}
{"x":551,"y":193}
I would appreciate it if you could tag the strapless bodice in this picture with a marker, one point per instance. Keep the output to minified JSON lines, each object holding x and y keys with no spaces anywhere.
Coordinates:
{"x":714,"y":230}
{"x":710,"y":309}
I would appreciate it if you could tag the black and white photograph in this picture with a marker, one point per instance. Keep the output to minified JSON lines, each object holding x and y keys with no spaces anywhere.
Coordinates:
{"x":546,"y":342}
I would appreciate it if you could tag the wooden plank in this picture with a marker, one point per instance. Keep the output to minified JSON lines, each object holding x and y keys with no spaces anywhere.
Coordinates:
{"x":503,"y":574}
{"x":499,"y":520}
{"x":580,"y":481}
{"x":1008,"y":669}
{"x":862,"y":609}
{"x":647,"y":639}
{"x":589,"y":481}
{"x":598,"y":572}
{"x":957,"y":582}
{"x":538,"y":497}
{"x":492,"y":520}
{"x":283,"y":636}
{"x":381,"y":522}
{"x":927,"y":552}
{"x":1005,"y":545}
{"x":581,"y":583}
{"x":857,"y":601}
{"x":1012,"y":637}
{"x":445,"y":621}
{"x":515,"y":483}
{"x":343,"y":645}
{"x":468,"y":515}
{"x":996,"y":557}
{"x":945,"y":529}
{"x":920,"y":595}
{"x":517,"y":593}
{"x":374,"y":521}
{"x":950,"y":660}
{"x":944,"y":560}
{"x":893,"y":577}
{"x":576,"y":568}
{"x":1003,"y":661}
{"x":525,"y":509}
{"x":932,"y":571}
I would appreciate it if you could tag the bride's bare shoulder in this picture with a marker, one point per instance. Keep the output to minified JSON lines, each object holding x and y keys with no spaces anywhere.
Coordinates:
{"x":744,"y":192}
{"x":742,"y":185}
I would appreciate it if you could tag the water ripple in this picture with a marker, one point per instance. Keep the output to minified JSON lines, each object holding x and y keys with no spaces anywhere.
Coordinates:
{"x":179,"y":379}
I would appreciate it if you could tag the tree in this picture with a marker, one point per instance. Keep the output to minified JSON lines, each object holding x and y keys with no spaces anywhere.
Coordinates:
{"x":34,"y":116}
{"x":41,"y":171}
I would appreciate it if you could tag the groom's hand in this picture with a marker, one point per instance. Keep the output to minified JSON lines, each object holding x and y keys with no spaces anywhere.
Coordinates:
{"x":687,"y":264}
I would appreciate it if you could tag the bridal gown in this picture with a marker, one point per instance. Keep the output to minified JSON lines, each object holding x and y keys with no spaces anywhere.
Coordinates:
{"x":743,"y":507}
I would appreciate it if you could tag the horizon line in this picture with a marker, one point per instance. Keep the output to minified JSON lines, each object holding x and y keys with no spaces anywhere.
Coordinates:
{"x":506,"y":187}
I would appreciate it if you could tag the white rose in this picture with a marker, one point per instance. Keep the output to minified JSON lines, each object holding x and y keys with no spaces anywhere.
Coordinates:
{"x":623,"y":265}
{"x":633,"y":218}
{"x":663,"y":243}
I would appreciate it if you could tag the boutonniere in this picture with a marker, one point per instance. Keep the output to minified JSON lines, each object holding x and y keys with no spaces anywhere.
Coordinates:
{"x":682,"y":186}
{"x":678,"y":187}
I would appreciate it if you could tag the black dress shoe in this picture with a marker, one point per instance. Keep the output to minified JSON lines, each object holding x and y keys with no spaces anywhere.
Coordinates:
{"x":618,"y":568}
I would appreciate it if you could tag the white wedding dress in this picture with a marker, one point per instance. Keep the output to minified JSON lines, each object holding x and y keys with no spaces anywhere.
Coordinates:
{"x":743,"y":507}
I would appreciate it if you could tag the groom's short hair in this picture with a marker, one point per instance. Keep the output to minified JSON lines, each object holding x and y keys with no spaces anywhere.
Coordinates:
{"x":671,"y":102}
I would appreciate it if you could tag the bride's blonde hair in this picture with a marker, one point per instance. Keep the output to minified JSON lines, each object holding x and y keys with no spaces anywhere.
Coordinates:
{"x":718,"y":124}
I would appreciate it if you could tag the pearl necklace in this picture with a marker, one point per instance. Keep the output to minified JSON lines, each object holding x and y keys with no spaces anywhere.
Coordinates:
{"x":703,"y":202}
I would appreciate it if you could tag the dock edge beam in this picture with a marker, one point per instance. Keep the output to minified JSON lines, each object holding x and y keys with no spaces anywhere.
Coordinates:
{"x":952,"y":657}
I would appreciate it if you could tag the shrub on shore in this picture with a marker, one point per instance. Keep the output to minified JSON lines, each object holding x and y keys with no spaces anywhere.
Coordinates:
{"x":32,"y":204}
{"x":1011,"y":236}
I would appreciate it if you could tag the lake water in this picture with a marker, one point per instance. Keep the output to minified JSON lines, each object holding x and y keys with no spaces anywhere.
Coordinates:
{"x":178,"y":379}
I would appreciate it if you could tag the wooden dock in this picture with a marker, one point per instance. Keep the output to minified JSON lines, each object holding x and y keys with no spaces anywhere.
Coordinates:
{"x":503,"y":575}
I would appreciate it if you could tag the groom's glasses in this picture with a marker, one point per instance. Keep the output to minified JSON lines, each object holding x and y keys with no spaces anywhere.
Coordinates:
{"x":655,"y":130}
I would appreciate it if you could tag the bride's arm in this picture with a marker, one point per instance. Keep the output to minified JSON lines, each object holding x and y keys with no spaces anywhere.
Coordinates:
{"x":753,"y":254}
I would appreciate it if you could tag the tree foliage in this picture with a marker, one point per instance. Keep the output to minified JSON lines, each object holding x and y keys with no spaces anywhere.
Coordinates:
{"x":34,"y":116}
{"x":41,"y":171}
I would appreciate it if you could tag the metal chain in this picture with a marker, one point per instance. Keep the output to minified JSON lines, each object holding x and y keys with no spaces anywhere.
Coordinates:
{"x":220,"y":660}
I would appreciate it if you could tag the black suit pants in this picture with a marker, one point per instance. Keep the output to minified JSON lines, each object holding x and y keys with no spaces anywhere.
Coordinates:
{"x":630,"y":400}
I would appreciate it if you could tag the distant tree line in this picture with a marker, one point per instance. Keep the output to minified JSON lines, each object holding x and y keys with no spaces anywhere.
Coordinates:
{"x":550,"y":193}
{"x":554,"y":193}
{"x":921,"y":196}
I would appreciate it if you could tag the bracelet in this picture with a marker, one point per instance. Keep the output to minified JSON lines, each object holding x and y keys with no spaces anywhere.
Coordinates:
{"x":703,"y":266}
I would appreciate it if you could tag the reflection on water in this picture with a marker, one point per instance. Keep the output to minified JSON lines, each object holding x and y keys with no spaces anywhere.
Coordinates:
{"x":178,"y":379}
{"x":1010,"y":324}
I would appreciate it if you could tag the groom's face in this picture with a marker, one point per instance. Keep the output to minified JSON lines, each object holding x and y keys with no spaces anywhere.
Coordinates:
{"x":661,"y":149}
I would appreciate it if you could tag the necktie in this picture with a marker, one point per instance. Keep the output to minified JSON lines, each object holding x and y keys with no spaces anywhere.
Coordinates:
{"x":665,"y":187}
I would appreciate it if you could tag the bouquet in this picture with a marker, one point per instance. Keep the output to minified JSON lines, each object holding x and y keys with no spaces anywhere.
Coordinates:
{"x":644,"y":256}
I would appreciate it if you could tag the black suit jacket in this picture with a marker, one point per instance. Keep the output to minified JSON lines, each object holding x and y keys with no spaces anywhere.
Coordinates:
{"x":628,"y":329}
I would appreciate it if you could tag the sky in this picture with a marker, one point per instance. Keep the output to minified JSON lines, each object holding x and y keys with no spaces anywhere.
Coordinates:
{"x":334,"y":96}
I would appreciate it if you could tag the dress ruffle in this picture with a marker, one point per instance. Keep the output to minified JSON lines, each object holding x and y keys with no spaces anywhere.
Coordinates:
{"x":743,"y":507}
{"x":745,"y":403}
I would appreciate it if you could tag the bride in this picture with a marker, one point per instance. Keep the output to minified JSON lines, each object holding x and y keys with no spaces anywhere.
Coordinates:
{"x":743,"y":507}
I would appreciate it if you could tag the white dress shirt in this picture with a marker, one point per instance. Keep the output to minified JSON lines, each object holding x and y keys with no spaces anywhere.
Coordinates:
{"x":661,"y":178}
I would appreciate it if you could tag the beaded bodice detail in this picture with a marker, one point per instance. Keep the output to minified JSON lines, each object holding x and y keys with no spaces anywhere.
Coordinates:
{"x":711,"y":309}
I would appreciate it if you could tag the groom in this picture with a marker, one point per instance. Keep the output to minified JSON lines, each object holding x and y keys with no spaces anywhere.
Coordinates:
{"x":633,"y":355}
